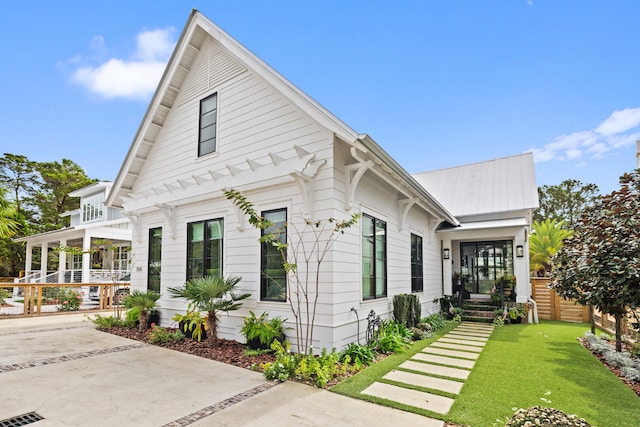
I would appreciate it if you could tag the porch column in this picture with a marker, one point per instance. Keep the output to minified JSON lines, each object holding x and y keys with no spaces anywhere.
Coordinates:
{"x":28,"y":258}
{"x":447,"y":267}
{"x":86,"y":258}
{"x":521,"y":267}
{"x":43,"y":262}
{"x":62,"y":262}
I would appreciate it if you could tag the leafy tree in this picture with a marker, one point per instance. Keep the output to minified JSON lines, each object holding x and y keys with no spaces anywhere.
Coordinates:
{"x":52,"y":198}
{"x":600,"y":264}
{"x":8,"y":223}
{"x":303,"y":287}
{"x":145,"y":302}
{"x":18,"y":175}
{"x":213,"y":294}
{"x":564,"y":202}
{"x":544,"y":242}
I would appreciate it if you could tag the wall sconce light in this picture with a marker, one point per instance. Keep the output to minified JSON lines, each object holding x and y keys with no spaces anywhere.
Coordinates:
{"x":519,"y":251}
{"x":445,"y":253}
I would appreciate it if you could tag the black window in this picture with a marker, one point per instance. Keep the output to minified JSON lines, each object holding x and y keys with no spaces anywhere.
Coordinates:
{"x":208,"y":125}
{"x":482,"y":264}
{"x":374,"y":258}
{"x":273,"y":286}
{"x":204,"y":248}
{"x":416,"y":263}
{"x":155,"y":259}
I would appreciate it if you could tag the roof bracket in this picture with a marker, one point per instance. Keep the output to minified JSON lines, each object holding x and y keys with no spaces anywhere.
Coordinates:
{"x":304,"y":180}
{"x":133,"y":218}
{"x":353,"y":174}
{"x":404,"y":206}
{"x":170,"y":218}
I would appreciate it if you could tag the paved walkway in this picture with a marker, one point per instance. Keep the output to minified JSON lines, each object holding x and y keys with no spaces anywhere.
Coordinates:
{"x":441,"y":367}
{"x":68,"y":374}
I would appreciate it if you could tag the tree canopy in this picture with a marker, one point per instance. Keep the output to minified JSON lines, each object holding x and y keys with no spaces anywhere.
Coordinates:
{"x":565,"y":201}
{"x":544,"y":242}
{"x":600,"y":264}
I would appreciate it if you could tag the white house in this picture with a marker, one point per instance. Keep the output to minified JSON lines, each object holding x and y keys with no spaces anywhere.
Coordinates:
{"x":221,"y":118}
{"x":91,"y":226}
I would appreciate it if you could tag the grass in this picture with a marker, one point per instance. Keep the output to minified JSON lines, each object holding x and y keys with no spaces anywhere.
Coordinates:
{"x":523,"y":366}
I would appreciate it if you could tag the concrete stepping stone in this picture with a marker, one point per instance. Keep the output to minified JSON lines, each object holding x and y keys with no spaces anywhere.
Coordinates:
{"x":467,"y":337}
{"x":450,"y":346}
{"x":476,"y":326}
{"x":425,"y":381}
{"x":452,"y":353}
{"x":427,"y":368}
{"x":461,"y":341}
{"x":418,"y":399}
{"x":473,"y":334}
{"x":443,"y":360}
{"x":473,"y":329}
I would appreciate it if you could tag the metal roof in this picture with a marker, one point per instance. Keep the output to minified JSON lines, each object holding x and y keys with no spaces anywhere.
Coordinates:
{"x":501,"y":185}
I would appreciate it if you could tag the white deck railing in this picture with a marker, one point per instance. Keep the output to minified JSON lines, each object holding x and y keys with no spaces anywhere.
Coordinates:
{"x":74,"y":276}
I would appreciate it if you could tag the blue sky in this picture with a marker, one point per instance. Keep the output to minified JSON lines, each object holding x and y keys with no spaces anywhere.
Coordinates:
{"x":435,"y":83}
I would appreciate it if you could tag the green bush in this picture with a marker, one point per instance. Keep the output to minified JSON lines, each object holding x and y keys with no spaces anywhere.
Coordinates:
{"x":4,"y":294}
{"x":358,"y":355}
{"x":392,"y":337}
{"x":107,"y":322}
{"x":406,"y":309}
{"x":69,"y":300}
{"x":317,"y":369}
{"x":159,"y":334}
{"x":436,"y":321}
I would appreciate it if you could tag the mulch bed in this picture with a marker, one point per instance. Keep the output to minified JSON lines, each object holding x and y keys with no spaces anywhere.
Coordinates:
{"x":225,"y":351}
{"x":633,"y":386}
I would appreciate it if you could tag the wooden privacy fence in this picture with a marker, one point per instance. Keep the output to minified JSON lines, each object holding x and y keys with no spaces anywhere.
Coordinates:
{"x":553,"y":307}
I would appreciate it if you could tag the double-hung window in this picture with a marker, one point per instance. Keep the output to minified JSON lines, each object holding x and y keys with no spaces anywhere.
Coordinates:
{"x":416,"y":263}
{"x":273,"y":283}
{"x":208,"y":125}
{"x":204,"y":248}
{"x":374,"y":258}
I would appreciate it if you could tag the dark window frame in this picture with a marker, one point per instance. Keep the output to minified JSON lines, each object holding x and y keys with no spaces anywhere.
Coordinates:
{"x":202,"y":126}
{"x":151,"y":270}
{"x":417,"y":264}
{"x":206,"y":255}
{"x":375,"y":274}
{"x":268,"y":251}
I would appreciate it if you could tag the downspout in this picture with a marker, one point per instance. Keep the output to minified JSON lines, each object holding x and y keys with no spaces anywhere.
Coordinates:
{"x":535,"y":310}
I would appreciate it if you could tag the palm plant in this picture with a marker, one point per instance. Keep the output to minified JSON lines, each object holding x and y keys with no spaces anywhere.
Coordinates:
{"x":145,"y":302}
{"x":212,"y":294}
{"x":8,"y":224}
{"x":544,"y":242}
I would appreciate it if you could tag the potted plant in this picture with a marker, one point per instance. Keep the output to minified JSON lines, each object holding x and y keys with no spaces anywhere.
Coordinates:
{"x":145,"y":301}
{"x":213,"y":294}
{"x":192,"y":324}
{"x":260,"y":332}
{"x":517,"y":313}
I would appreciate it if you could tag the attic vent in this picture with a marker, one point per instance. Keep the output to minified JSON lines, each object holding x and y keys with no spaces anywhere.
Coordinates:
{"x":21,"y":420}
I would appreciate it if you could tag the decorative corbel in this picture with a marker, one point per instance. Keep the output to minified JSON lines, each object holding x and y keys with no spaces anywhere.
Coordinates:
{"x":404,"y":206}
{"x":433,"y":224}
{"x":135,"y":228}
{"x":169,"y":216}
{"x":353,"y":175}
{"x":304,"y":180}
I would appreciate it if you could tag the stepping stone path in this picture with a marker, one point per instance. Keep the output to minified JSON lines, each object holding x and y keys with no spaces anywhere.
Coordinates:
{"x":441,"y":368}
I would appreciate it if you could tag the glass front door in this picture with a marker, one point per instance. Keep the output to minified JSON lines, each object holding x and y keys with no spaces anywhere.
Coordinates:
{"x":483,"y":263}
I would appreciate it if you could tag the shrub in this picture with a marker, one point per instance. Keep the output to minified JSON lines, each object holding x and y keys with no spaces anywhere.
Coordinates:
{"x":631,"y":373}
{"x":69,"y":300}
{"x":358,"y":355}
{"x":498,"y":321}
{"x":436,"y":321}
{"x":159,"y":335}
{"x":4,"y":294}
{"x":106,"y":322}
{"x":406,"y":309}
{"x":634,"y":351}
{"x":544,"y":417}
{"x":317,"y":369}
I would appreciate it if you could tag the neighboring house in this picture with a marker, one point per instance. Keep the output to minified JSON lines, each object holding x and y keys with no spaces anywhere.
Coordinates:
{"x":102,"y":234}
{"x":221,"y":118}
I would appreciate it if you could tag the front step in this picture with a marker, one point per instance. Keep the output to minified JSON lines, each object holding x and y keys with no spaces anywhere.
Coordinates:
{"x":480,"y":311}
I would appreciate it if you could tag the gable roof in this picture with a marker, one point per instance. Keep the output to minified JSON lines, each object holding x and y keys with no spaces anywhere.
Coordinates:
{"x":194,"y":34}
{"x":500,"y":185}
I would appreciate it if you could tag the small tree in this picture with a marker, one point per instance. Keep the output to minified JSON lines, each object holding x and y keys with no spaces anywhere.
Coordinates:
{"x":145,"y":301}
{"x":303,"y":285}
{"x":600,"y":263}
{"x":544,"y":242}
{"x":212,"y":294}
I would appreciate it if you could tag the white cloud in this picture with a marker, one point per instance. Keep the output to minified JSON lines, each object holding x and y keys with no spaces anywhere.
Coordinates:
{"x":134,"y":78}
{"x":611,"y":134}
{"x":620,"y":121}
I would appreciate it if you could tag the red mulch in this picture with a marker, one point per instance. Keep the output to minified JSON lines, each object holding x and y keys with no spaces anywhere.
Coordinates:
{"x":225,"y":351}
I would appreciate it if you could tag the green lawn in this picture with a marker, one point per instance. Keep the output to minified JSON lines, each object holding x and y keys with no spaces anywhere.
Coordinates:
{"x":527,"y":365}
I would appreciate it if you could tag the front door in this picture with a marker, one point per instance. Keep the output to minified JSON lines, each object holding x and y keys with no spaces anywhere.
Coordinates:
{"x":483,"y":263}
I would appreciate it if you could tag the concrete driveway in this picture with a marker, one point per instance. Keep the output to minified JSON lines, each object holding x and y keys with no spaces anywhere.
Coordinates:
{"x":69,"y":374}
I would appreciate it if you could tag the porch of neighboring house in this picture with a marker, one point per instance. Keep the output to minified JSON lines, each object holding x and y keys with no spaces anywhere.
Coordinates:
{"x":92,"y":269}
